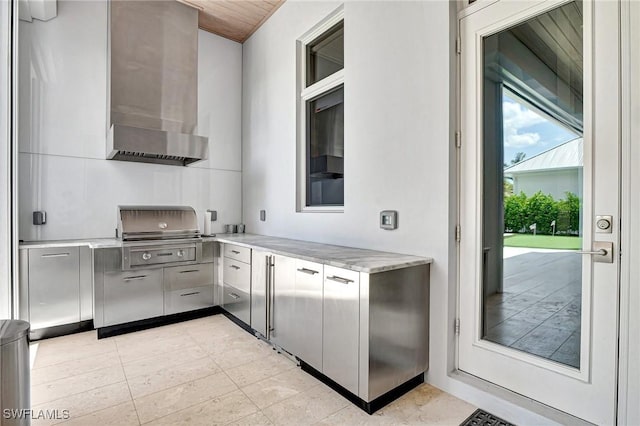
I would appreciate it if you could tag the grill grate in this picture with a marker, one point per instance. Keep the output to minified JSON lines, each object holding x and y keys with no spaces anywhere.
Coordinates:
{"x":483,"y":418}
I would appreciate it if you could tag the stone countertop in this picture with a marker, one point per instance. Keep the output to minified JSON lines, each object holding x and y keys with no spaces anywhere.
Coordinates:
{"x":362,"y":260}
{"x":90,"y":242}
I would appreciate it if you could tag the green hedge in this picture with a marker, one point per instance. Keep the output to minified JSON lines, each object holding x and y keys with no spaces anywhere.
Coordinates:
{"x":521,"y":211}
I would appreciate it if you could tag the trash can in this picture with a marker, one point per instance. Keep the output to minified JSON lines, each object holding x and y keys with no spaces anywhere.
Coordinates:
{"x":15,"y":374}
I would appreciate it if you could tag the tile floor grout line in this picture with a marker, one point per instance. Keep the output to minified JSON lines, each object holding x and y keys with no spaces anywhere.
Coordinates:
{"x":133,"y":402}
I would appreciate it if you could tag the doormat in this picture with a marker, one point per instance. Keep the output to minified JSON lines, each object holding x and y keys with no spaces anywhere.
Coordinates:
{"x":482,"y":418}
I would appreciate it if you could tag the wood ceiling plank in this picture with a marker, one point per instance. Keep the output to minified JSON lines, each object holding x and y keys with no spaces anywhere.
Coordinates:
{"x":233,"y":19}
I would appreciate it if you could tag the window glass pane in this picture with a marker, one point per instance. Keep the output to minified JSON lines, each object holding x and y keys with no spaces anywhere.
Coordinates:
{"x":325,"y":150}
{"x":325,"y":55}
{"x":533,"y":185}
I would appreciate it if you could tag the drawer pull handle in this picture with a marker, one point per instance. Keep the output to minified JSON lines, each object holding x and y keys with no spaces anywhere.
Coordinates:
{"x":235,"y":296}
{"x":190,"y":294}
{"x":56,"y":255}
{"x":235,"y":267}
{"x":340,"y":279}
{"x":189,"y":271}
{"x":235,"y":252}
{"x":137,"y":277}
{"x":307,"y":271}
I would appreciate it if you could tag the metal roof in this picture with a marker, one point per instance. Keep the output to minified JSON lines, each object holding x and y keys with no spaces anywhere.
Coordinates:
{"x":565,"y":156}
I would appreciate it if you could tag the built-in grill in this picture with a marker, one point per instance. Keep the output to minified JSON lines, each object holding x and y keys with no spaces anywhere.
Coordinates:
{"x":158,"y":236}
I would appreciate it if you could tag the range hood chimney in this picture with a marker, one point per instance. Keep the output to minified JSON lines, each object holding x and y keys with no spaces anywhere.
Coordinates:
{"x":153,"y":87}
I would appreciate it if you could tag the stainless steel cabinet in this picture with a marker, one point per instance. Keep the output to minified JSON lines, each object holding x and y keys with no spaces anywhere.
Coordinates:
{"x":236,"y":292}
{"x":132,"y":295}
{"x":53,"y":287}
{"x":260,"y":276}
{"x":307,"y":316}
{"x":188,"y":288}
{"x":341,"y":326}
{"x":283,"y":329}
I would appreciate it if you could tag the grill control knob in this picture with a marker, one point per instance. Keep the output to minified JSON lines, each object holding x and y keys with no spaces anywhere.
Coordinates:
{"x":180,"y":253}
{"x":146,"y":255}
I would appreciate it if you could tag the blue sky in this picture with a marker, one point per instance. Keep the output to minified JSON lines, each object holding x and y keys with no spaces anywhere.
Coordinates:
{"x":527,"y":131}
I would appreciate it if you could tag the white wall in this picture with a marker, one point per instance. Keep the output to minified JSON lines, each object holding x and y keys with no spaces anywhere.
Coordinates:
{"x":63,"y":123}
{"x":554,"y":182}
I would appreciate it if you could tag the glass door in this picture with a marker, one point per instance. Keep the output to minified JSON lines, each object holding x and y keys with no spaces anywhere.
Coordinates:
{"x":539,"y":197}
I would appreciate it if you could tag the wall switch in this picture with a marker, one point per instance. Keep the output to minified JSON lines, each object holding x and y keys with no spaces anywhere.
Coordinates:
{"x":214,"y":215}
{"x":39,"y":218}
{"x":263,"y":215}
{"x":388,"y":219}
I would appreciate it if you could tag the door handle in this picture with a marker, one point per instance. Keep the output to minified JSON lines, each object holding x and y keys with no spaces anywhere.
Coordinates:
{"x":602,"y":252}
{"x":56,"y":255}
{"x":340,"y":279}
{"x":137,"y":277}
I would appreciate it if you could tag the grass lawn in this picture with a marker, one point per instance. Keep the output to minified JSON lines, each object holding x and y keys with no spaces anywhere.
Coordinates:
{"x":543,"y":241}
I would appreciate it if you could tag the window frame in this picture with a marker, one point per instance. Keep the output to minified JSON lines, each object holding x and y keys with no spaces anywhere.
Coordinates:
{"x":305,"y":94}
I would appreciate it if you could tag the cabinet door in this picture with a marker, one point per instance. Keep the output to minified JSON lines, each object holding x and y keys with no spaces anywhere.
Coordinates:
{"x":54,"y":286}
{"x":132,"y":295}
{"x":283,"y":302}
{"x":259,"y":276}
{"x":308,"y":313}
{"x":340,"y":331}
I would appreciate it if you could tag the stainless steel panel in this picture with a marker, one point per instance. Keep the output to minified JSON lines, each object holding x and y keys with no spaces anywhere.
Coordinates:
{"x":154,"y":222}
{"x":237,"y":302}
{"x":126,"y":143}
{"x":259,"y":281}
{"x":208,"y":251}
{"x":132,"y":295}
{"x":188,"y":299}
{"x":54,"y":286}
{"x":237,"y":274}
{"x":86,"y":284}
{"x":308,"y":313}
{"x":239,"y":253}
{"x":154,"y":80}
{"x":283,"y":329}
{"x":104,"y":260}
{"x":183,"y":277}
{"x":341,"y":326}
{"x":161,"y":255}
{"x":22,"y":296}
{"x":391,"y":354}
{"x":15,"y":373}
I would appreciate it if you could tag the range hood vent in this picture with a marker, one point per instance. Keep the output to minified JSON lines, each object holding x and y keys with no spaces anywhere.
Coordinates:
{"x":153,"y":83}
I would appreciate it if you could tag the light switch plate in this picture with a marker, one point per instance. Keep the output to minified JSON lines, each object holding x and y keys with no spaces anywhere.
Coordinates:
{"x":214,"y":215}
{"x":388,"y":219}
{"x":39,"y":218}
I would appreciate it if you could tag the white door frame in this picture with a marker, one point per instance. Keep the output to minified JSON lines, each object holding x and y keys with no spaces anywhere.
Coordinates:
{"x":471,"y":222}
{"x":629,"y":368}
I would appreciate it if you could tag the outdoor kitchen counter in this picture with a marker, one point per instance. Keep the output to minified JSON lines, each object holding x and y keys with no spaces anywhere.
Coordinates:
{"x":94,"y":243}
{"x":361,"y":260}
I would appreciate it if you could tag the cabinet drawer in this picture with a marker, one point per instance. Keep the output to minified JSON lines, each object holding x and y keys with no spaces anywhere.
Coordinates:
{"x":132,"y":295}
{"x":190,"y":276}
{"x":188,"y":299}
{"x":242,"y":254}
{"x":237,"y":274}
{"x":237,"y":302}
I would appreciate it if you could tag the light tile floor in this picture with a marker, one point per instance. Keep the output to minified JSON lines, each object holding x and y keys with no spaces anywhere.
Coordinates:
{"x":203,"y":372}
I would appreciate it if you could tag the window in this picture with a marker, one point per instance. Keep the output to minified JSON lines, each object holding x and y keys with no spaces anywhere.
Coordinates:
{"x":321,"y":117}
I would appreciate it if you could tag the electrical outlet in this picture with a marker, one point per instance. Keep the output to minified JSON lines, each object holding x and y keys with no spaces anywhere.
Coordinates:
{"x":388,"y":219}
{"x":263,"y":215}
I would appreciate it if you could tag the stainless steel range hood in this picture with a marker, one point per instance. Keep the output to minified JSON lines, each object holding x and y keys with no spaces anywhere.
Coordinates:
{"x":153,"y":85}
